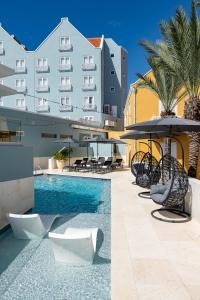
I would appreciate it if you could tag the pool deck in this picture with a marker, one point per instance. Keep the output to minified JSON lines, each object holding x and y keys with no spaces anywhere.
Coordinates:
{"x":150,"y":259}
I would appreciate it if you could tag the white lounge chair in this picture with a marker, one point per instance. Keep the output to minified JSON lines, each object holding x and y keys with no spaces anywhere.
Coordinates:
{"x":77,"y":246}
{"x":30,"y":226}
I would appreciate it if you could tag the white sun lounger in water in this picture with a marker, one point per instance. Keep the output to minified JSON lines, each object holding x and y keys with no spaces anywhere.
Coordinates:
{"x":77,"y":246}
{"x":31,"y":226}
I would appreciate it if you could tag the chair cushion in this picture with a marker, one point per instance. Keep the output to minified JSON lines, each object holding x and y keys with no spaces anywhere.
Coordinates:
{"x":158,"y":189}
{"x":158,"y":198}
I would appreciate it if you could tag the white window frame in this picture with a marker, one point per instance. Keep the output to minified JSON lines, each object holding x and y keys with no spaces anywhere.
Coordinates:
{"x":42,"y":101}
{"x":42,"y":59}
{"x":87,"y":100}
{"x":65,"y":98}
{"x":43,"y":79}
{"x":112,"y":91}
{"x":88,"y":59}
{"x":22,"y":102}
{"x":1,"y":44}
{"x":67,"y":60}
{"x":68,"y":41}
{"x":66,"y":79}
{"x":21,"y":81}
{"x":1,"y":81}
{"x":1,"y":102}
{"x":89,"y":118}
{"x":22,"y":62}
{"x":88,"y":78}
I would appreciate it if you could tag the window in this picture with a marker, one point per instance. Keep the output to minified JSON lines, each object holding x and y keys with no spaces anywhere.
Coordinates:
{"x":65,"y":101}
{"x":65,"y":61}
{"x":88,"y":59}
{"x":43,"y":81}
{"x":20,"y":63}
{"x":1,"y":45}
{"x":112,"y":72}
{"x":1,"y":101}
{"x":89,"y":100}
{"x":112,"y":55}
{"x":112,"y":89}
{"x":88,"y":80}
{"x":65,"y":81}
{"x":48,"y":135}
{"x":64,"y":41}
{"x":20,"y":102}
{"x":1,"y":81}
{"x":42,"y":62}
{"x":66,"y":136}
{"x":89,"y":118}
{"x":42,"y":102}
{"x":20,"y":83}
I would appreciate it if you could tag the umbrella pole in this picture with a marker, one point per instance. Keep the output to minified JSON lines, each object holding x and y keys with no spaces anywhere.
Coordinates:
{"x":111,"y":150}
{"x":97,"y":150}
{"x":87,"y":149}
{"x":69,"y":153}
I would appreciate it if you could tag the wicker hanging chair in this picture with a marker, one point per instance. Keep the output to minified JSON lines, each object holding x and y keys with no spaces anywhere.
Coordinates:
{"x":135,"y":162}
{"x":170,"y":192}
{"x":148,"y":172}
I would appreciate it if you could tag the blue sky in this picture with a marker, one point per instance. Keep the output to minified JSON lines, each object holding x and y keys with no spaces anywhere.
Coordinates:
{"x":126,"y":22}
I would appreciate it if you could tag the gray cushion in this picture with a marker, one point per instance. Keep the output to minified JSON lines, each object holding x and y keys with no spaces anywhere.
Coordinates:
{"x":158,"y":189}
{"x":159,"y":198}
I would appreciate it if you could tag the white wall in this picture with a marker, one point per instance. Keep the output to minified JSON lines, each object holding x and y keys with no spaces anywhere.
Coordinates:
{"x":193,"y":198}
{"x":17,"y":196}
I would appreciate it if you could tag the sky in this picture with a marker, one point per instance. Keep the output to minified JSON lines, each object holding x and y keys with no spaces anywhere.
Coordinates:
{"x":127,"y":22}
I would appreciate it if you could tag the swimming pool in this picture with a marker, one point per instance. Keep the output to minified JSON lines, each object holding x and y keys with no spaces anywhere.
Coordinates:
{"x":28,"y":270}
{"x":71,"y":194}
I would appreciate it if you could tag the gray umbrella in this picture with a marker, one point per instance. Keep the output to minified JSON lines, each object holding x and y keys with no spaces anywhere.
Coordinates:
{"x":115,"y":142}
{"x":141,"y":135}
{"x":68,"y":141}
{"x":169,"y":124}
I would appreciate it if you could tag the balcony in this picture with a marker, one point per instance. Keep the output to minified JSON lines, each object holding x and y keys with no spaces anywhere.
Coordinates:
{"x":2,"y":51}
{"x":21,"y":89}
{"x":67,"y":47}
{"x":65,"y":68}
{"x":89,"y":87}
{"x":90,"y":107}
{"x":90,"y":122}
{"x":21,"y":69}
{"x":42,"y":69}
{"x":22,"y":107}
{"x":42,"y":88}
{"x":65,"y":88}
{"x":66,"y":107}
{"x":88,"y":67}
{"x":43,"y":108}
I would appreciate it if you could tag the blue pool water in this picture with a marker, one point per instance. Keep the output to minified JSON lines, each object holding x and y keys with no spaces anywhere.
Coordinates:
{"x":69,"y":194}
{"x":27,"y":267}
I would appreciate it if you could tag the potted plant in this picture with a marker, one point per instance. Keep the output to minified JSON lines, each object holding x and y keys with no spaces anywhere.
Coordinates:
{"x":61,"y":157}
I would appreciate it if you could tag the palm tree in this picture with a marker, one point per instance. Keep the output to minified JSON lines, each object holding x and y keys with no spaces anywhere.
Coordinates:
{"x":179,"y":52}
{"x":166,"y":86}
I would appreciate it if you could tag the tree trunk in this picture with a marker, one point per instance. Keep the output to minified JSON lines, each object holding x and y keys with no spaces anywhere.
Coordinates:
{"x":192,"y":112}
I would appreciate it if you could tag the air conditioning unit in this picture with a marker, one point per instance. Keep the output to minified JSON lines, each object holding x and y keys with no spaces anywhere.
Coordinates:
{"x":107,"y":109}
{"x":109,"y":123}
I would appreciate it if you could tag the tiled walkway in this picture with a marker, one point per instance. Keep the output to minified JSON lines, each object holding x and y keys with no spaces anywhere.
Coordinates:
{"x":150,"y":259}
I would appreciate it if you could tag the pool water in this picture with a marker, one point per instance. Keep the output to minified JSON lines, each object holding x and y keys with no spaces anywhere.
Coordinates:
{"x":70,"y":194}
{"x":27,"y":267}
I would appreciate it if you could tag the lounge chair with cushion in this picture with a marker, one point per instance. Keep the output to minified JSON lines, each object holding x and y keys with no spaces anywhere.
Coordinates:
{"x":76,"y":165}
{"x":30,"y":226}
{"x":107,"y":166}
{"x":117,"y":163}
{"x":76,"y":247}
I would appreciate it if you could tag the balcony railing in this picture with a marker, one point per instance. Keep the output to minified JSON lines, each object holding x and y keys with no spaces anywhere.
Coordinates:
{"x":24,"y":107}
{"x":90,"y":107}
{"x":2,"y":51}
{"x":42,"y":69}
{"x":21,"y":89}
{"x":66,"y":47}
{"x":66,"y":107}
{"x":89,"y":87}
{"x":21,"y":69}
{"x":65,"y":88}
{"x":43,"y":108}
{"x":42,"y":88}
{"x":88,"y":66}
{"x":90,"y":122}
{"x":66,"y":67}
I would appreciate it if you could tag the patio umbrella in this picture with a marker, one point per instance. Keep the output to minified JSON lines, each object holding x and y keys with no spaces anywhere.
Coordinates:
{"x":141,"y":135}
{"x":115,"y":142}
{"x":167,"y":124}
{"x":68,"y":141}
{"x":99,"y":140}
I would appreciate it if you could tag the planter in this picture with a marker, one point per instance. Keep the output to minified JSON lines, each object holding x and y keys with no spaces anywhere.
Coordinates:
{"x":61,"y":164}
